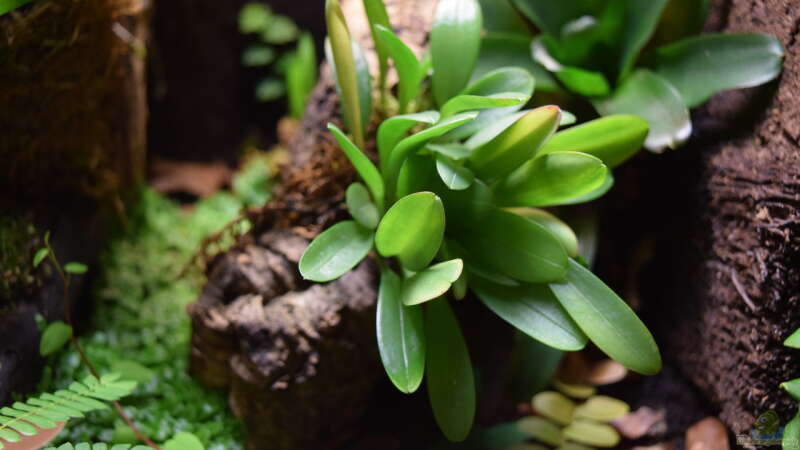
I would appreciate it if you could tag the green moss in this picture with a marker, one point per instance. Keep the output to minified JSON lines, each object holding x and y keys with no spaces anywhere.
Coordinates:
{"x":140,"y":316}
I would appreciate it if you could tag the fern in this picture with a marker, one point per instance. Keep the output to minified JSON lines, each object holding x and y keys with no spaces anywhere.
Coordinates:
{"x":20,"y":421}
{"x":85,"y":446}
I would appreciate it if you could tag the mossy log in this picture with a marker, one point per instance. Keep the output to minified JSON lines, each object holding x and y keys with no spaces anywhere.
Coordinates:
{"x":299,"y":359}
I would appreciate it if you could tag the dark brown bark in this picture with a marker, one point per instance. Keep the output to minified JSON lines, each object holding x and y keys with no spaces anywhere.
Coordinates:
{"x":299,"y":359}
{"x":709,"y":234}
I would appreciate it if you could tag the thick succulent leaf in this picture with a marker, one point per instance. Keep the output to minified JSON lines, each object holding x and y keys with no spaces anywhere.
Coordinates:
{"x":607,"y":320}
{"x":417,"y":174}
{"x":344,"y":65}
{"x":412,"y":230}
{"x":791,"y":433}
{"x":516,"y":247}
{"x":613,"y":139}
{"x":360,"y":206}
{"x":580,"y":81}
{"x":792,"y":387}
{"x":463,"y":103}
{"x":594,"y":194}
{"x":392,"y":130}
{"x":793,"y":340}
{"x":468,"y":205}
{"x":377,"y":16}
{"x":515,"y":144}
{"x":641,"y":19}
{"x":701,"y":66}
{"x":362,"y":164}
{"x":551,"y":16}
{"x":560,"y":230}
{"x":431,"y":282}
{"x":451,"y":383}
{"x":453,"y":151}
{"x":551,"y":179}
{"x":335,"y":251}
{"x":401,"y":336}
{"x":500,"y":50}
{"x":651,"y":97}
{"x":418,"y":140}
{"x":680,"y":19}
{"x":406,"y":64}
{"x":500,"y":16}
{"x":532,"y":309}
{"x":453,"y":175}
{"x":454,"y":46}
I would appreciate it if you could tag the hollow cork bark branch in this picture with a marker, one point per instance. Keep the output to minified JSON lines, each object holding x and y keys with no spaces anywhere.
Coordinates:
{"x":299,"y":359}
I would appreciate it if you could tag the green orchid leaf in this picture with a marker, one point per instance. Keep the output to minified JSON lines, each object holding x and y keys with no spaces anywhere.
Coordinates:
{"x":463,"y":103}
{"x":401,"y":336}
{"x":492,"y":129}
{"x":680,"y":19}
{"x":602,"y":190}
{"x":793,"y":340}
{"x":607,"y":320}
{"x":454,"y":151}
{"x":651,"y":97}
{"x":392,"y":130}
{"x":362,"y":164}
{"x":500,"y":50}
{"x":412,"y":230}
{"x":418,"y":140}
{"x":613,"y":139}
{"x":301,"y":75}
{"x":580,"y":81}
{"x":431,"y":282}
{"x":551,"y":17}
{"x":641,"y":19}
{"x":344,"y":64}
{"x":551,"y":179}
{"x":567,"y":118}
{"x":360,"y":206}
{"x":75,"y":268}
{"x":593,"y":433}
{"x":541,"y":430}
{"x":377,"y":16}
{"x":469,"y":205}
{"x":451,"y":383}
{"x":501,"y":82}
{"x":454,"y":46}
{"x":454,"y":176}
{"x":335,"y":251}
{"x":406,"y":64}
{"x":792,"y":387}
{"x":500,"y":16}
{"x":516,"y":144}
{"x":701,"y":66}
{"x":417,"y":174}
{"x":532,"y":309}
{"x":791,"y":433}
{"x":560,"y":230}
{"x":516,"y":247}
{"x":54,"y":337}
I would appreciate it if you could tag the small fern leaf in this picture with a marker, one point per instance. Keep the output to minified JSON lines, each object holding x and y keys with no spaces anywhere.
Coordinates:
{"x":48,"y":410}
{"x":100,"y":446}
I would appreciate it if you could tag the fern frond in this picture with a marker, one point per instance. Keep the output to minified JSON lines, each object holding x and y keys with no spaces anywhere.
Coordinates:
{"x":19,"y":422}
{"x":85,"y":446}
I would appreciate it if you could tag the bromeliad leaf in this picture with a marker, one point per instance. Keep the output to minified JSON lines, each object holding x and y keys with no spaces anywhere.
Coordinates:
{"x":392,"y":130}
{"x":406,"y":63}
{"x":455,"y":43}
{"x":651,"y":97}
{"x":362,"y":164}
{"x":551,"y":179}
{"x":412,"y":230}
{"x":613,"y":139}
{"x":560,"y":230}
{"x":607,"y":320}
{"x":516,"y":144}
{"x":451,"y":383}
{"x":361,"y":207}
{"x":335,"y":251}
{"x":431,"y":282}
{"x":532,"y":309}
{"x":701,"y":66}
{"x":516,"y":247}
{"x":454,"y":176}
{"x":463,"y":103}
{"x":341,"y":50}
{"x":401,"y":336}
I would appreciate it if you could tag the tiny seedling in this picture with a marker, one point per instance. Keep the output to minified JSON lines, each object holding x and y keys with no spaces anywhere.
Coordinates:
{"x":451,"y":207}
{"x":641,"y":57}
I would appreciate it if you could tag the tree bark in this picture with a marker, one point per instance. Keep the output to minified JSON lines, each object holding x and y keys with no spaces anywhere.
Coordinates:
{"x":299,"y":359}
{"x":709,"y":234}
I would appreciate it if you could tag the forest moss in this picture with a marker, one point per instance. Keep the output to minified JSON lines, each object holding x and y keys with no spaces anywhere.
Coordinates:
{"x":139,"y":316}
